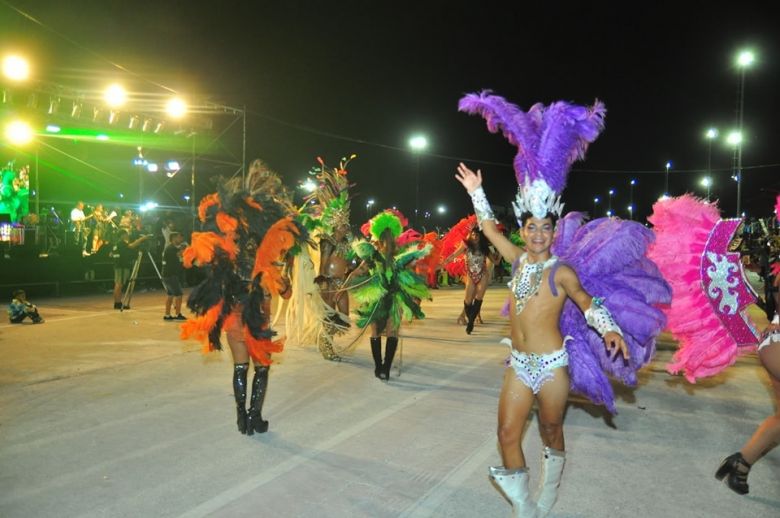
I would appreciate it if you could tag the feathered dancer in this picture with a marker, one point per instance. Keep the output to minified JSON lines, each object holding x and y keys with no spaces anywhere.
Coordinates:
{"x":326,"y":214}
{"x":595,"y":276}
{"x":385,"y":287}
{"x":247,"y":232}
{"x":468,"y":255}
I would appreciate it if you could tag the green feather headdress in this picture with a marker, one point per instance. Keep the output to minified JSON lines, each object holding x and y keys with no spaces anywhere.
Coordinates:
{"x":384,"y":221}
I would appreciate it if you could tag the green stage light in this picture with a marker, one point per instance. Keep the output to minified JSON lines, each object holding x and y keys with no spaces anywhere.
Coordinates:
{"x":53,"y":128}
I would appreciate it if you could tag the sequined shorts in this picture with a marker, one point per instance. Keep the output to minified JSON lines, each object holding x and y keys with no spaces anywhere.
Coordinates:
{"x":534,"y":370}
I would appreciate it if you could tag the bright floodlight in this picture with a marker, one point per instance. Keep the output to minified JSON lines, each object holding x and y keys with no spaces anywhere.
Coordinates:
{"x":706,"y":182}
{"x":734,"y":138}
{"x":630,"y":208}
{"x":152,"y":167}
{"x":632,"y":182}
{"x":611,"y":192}
{"x":745,"y":58}
{"x":176,"y":107}
{"x":115,"y":95}
{"x":370,"y":202}
{"x":711,"y":133}
{"x":418,"y":142}
{"x":53,"y":128}
{"x":172,"y":165}
{"x":16,"y":68}
{"x":668,"y":165}
{"x":441,"y":209}
{"x":18,"y":133}
{"x":309,"y":185}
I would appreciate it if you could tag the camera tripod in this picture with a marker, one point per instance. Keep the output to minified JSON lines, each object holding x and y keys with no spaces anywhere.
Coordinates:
{"x":128,"y":294}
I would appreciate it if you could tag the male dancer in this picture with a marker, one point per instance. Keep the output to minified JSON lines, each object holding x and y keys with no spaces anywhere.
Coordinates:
{"x":539,"y":358}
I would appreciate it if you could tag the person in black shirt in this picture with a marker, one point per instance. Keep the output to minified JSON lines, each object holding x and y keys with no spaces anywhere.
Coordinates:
{"x":124,"y":256}
{"x":171,"y":272}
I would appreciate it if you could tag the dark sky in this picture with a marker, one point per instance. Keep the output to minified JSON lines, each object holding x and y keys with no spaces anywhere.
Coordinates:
{"x":376,"y":72}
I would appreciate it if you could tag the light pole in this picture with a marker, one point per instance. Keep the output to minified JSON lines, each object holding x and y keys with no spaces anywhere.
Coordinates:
{"x":631,"y":185}
{"x":595,"y":203}
{"x":706,"y":182}
{"x":735,"y":139}
{"x":712,"y":134}
{"x":418,"y":144}
{"x":369,"y":204}
{"x":609,"y":202}
{"x":666,"y":179}
{"x":631,"y":210}
{"x":744,"y":60}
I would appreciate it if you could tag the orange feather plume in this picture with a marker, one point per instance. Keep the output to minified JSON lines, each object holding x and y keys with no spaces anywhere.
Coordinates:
{"x":227,"y":224}
{"x":200,"y":327}
{"x":203,"y":246}
{"x":279,"y":238}
{"x":205,"y":203}
{"x":261,"y":349}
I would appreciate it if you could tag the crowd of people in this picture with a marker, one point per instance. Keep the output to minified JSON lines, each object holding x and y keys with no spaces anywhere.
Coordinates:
{"x":587,"y":299}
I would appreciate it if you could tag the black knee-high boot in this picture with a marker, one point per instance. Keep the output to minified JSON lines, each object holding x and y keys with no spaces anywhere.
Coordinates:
{"x":239,"y":391}
{"x":471,"y":314}
{"x":255,"y":421}
{"x":390,"y":347}
{"x":376,"y":352}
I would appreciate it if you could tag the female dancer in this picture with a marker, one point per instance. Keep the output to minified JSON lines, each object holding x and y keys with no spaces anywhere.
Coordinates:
{"x":248,"y":230}
{"x":386,"y":288}
{"x":477,"y":279}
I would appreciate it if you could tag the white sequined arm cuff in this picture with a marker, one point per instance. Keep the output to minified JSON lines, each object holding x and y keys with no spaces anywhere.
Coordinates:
{"x":599,"y":318}
{"x":481,"y":206}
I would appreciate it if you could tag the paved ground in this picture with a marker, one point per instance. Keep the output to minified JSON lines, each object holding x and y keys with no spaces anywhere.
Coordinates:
{"x":108,"y":414}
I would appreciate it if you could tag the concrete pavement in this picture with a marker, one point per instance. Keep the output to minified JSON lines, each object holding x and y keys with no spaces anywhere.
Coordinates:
{"x":105,"y":413}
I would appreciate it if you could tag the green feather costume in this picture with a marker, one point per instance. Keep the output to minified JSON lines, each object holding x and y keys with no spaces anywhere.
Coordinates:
{"x":389,"y":290}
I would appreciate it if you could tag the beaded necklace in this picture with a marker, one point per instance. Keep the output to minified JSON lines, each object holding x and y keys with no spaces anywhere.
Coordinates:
{"x":527,"y":279}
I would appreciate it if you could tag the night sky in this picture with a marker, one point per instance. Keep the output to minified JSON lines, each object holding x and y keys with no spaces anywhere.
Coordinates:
{"x":333,"y":78}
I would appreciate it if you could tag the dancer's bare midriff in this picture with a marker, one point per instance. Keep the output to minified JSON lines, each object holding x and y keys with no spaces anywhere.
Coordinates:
{"x":535,"y":329}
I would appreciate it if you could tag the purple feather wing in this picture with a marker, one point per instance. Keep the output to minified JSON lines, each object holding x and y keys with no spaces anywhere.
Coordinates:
{"x":609,"y":256}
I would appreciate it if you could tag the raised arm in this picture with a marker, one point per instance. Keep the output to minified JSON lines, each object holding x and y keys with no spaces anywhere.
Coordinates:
{"x":472,"y":182}
{"x":596,"y":315}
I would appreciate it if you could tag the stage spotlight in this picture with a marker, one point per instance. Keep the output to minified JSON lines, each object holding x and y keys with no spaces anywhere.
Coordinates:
{"x":115,"y":95}
{"x":75,"y":110}
{"x":52,"y":128}
{"x":172,"y":165}
{"x":176,"y":108}
{"x":95,"y":114}
{"x":147,"y":125}
{"x":152,"y":167}
{"x":18,"y":133}
{"x":159,"y":127}
{"x":16,"y":68}
{"x":102,"y":136}
{"x":113,"y":116}
{"x":6,"y":96}
{"x":134,"y":122}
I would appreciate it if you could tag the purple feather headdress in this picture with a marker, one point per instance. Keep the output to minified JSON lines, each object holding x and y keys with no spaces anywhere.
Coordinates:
{"x":548,"y":139}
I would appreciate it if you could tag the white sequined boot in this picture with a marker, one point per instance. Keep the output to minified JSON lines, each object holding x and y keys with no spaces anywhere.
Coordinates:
{"x":514,"y":484}
{"x":552,"y":469}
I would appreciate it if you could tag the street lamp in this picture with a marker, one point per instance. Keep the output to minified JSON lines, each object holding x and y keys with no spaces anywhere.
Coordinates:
{"x":666,"y":179}
{"x":706,"y":182}
{"x":710,"y":135}
{"x":369,"y":204}
{"x":631,"y":210}
{"x":595,"y":202}
{"x":631,"y":185}
{"x":441,"y":209}
{"x":744,"y":59}
{"x":418,"y":143}
{"x":609,"y":202}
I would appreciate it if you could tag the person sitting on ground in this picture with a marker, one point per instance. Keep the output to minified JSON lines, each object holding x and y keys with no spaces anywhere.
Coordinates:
{"x":20,"y":308}
{"x":172,"y":270}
